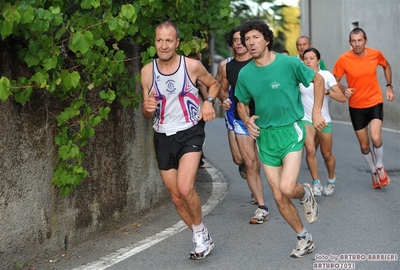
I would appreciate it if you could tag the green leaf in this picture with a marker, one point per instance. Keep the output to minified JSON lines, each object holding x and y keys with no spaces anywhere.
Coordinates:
{"x":40,"y":25}
{"x":76,"y":104}
{"x":86,"y":4}
{"x":75,"y":77}
{"x":5,"y":28}
{"x":4,"y":88}
{"x":31,"y":59}
{"x":68,"y":151}
{"x":95,"y":3}
{"x":61,"y":138}
{"x":225,"y":12}
{"x":70,"y":79}
{"x":104,"y":111}
{"x":65,"y":190}
{"x":28,"y":16}
{"x":67,"y":114}
{"x":103,"y":94}
{"x":151,"y":51}
{"x":50,"y":63}
{"x":39,"y":77}
{"x":128,"y":11}
{"x":24,"y":95}
{"x":95,"y":121}
{"x":54,"y":10}
{"x":81,"y":42}
{"x":120,"y":55}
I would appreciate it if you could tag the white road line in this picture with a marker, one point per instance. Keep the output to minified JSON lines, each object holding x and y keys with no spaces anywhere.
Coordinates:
{"x":218,"y":194}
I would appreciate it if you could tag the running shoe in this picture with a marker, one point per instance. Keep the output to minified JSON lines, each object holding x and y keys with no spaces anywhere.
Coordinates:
{"x":242,"y":171}
{"x":253,"y":200}
{"x":310,"y":206}
{"x":260,"y":216}
{"x":203,"y":244}
{"x":383,"y":177}
{"x":317,"y":188}
{"x":304,"y":246}
{"x":376,"y":184}
{"x":329,"y":189}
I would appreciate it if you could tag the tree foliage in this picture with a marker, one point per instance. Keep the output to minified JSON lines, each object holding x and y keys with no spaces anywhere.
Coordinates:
{"x":71,"y":49}
{"x":276,"y":16}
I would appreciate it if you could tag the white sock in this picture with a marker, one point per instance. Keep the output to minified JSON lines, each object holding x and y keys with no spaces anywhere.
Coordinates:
{"x":303,"y":233}
{"x":379,"y":156}
{"x":306,"y":194}
{"x":196,"y":228}
{"x":332,"y":181}
{"x":369,"y":158}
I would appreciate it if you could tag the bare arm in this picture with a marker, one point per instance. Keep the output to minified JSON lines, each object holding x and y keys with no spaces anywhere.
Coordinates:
{"x":348,"y":92}
{"x":223,"y":81}
{"x":149,"y":105}
{"x":319,"y":92}
{"x":341,"y":86}
{"x":337,"y":94}
{"x":388,"y":76}
{"x":198,"y":72}
{"x":244,"y":114}
{"x":203,"y":90}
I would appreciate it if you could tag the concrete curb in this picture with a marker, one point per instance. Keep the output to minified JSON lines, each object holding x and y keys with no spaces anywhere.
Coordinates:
{"x":210,"y":185}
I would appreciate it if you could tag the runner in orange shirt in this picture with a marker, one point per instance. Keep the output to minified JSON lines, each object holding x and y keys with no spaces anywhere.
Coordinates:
{"x":365,"y":99}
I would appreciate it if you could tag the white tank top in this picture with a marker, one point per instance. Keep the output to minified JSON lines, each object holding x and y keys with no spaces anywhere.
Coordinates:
{"x":178,"y":103}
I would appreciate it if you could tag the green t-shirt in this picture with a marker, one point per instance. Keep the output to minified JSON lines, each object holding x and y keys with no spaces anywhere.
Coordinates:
{"x":275,"y":90}
{"x":322,"y":65}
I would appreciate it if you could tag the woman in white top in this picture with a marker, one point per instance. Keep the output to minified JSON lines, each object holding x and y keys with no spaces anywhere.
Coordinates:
{"x":324,"y":137}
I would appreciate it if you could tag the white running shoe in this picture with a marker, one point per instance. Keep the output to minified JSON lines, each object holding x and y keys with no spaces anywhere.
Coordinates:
{"x":304,"y":246}
{"x":317,"y":188}
{"x":310,"y":206}
{"x":203,"y":244}
{"x":329,"y":189}
{"x":260,"y":216}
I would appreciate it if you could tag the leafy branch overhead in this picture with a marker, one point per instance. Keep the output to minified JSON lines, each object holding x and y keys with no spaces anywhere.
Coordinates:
{"x":74,"y":48}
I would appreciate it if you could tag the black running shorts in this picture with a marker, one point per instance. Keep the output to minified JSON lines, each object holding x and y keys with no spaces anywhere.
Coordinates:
{"x":170,"y":149}
{"x":360,"y":118}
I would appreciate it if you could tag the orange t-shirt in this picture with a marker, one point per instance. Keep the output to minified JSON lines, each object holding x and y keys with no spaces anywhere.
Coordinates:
{"x":361,"y":75}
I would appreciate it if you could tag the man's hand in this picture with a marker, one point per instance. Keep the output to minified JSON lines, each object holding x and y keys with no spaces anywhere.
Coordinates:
{"x":390,"y":93}
{"x":207,"y":112}
{"x":226,"y":104}
{"x":348,"y":92}
{"x":319,"y":121}
{"x":150,"y":104}
{"x":252,"y":128}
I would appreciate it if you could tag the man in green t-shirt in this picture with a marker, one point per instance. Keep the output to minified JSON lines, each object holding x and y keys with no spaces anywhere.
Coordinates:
{"x":272,"y":81}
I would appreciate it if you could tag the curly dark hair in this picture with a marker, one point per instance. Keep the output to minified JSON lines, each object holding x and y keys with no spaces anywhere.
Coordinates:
{"x":229,"y":38}
{"x":260,"y":26}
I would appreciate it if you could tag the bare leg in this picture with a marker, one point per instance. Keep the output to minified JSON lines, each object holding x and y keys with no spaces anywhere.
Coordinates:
{"x":248,"y":150}
{"x":233,"y":145}
{"x":311,"y":150}
{"x":180,"y":184}
{"x":325,"y":140}
{"x":284,"y":186}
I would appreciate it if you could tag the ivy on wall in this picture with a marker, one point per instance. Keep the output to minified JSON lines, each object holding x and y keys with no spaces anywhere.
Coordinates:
{"x":72,"y":48}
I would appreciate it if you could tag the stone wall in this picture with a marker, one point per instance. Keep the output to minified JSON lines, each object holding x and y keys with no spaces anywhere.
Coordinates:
{"x":123,"y":179}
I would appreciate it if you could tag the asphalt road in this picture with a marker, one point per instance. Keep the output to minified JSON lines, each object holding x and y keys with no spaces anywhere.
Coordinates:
{"x":357,"y":228}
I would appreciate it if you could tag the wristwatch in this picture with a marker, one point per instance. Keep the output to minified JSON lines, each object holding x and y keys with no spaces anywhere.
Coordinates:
{"x":389,"y":84}
{"x":209,"y":99}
